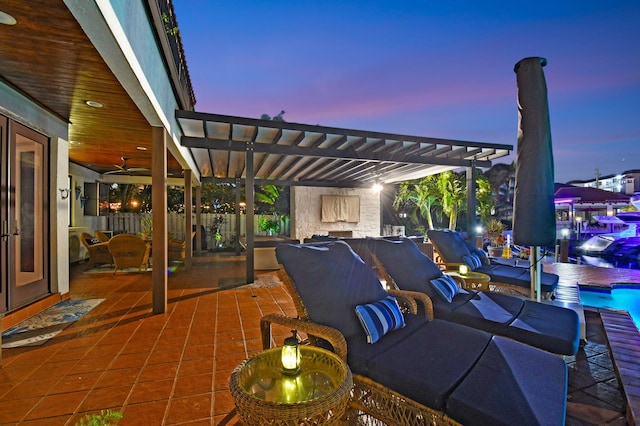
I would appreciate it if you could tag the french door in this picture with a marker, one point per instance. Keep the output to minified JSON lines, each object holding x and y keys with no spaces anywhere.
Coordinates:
{"x":24,"y":226}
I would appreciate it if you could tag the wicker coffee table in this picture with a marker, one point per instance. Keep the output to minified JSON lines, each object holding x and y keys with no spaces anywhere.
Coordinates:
{"x":317,"y":395}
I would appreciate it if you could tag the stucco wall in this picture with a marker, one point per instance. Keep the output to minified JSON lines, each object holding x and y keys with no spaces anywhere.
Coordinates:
{"x":306,"y":212}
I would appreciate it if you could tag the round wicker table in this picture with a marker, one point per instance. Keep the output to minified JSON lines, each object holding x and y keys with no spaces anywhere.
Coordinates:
{"x":318,"y":394}
{"x":473,"y":280}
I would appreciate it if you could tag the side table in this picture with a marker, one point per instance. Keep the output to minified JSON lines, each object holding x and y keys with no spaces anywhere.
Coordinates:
{"x":473,"y":280}
{"x":317,"y":395}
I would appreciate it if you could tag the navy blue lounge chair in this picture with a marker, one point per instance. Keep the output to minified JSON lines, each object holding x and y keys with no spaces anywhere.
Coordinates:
{"x":454,"y":250}
{"x":426,"y":366}
{"x":552,"y":328}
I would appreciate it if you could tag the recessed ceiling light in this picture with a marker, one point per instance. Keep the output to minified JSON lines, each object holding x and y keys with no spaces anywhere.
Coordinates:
{"x":94,"y":104}
{"x":7,"y":19}
{"x":141,"y":148}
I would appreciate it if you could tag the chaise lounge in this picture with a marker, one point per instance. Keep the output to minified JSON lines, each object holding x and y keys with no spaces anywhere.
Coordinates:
{"x":425,"y":371}
{"x":454,"y":251}
{"x":552,"y":328}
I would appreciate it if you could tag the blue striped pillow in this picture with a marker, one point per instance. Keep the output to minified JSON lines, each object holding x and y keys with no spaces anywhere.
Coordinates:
{"x":446,"y":287}
{"x":473,"y":261}
{"x":379,"y":318}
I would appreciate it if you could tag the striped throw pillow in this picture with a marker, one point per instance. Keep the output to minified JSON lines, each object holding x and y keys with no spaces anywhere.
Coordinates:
{"x":446,"y":287}
{"x":380,"y":317}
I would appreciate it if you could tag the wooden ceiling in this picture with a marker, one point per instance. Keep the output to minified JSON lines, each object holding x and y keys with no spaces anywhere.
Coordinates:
{"x":47,"y":57}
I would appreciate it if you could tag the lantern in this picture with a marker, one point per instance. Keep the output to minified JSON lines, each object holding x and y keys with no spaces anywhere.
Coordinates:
{"x":291,"y":355}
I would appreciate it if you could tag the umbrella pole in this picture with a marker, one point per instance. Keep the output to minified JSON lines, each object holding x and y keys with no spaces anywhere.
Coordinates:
{"x":535,"y":270}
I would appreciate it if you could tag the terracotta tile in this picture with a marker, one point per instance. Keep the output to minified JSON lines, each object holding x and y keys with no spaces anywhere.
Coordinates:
{"x":195,"y":366}
{"x":193,"y":385}
{"x":182,"y":410}
{"x":223,"y":402}
{"x":32,"y":388}
{"x":129,"y":360}
{"x":198,"y":352}
{"x":151,"y":391}
{"x":11,"y":412}
{"x":121,"y":377}
{"x":91,"y":365}
{"x":70,"y":383}
{"x":155,"y":372}
{"x":104,"y":398}
{"x":57,"y":405}
{"x":150,"y":413}
{"x":162,"y":356}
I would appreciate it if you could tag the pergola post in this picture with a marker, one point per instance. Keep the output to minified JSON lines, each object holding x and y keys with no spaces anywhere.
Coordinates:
{"x":250,"y":194}
{"x":188,"y":213}
{"x":471,"y":201}
{"x":238,"y":215}
{"x":159,"y":216}
{"x":198,"y":236}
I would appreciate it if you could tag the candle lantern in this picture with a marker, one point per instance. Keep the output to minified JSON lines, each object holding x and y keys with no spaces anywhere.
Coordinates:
{"x":291,"y":355}
{"x":464,"y":269}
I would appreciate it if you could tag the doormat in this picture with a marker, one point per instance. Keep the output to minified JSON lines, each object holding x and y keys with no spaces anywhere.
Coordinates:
{"x":263,"y":281}
{"x":43,"y":326}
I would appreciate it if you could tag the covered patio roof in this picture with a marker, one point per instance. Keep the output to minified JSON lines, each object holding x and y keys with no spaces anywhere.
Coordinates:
{"x":311,"y":155}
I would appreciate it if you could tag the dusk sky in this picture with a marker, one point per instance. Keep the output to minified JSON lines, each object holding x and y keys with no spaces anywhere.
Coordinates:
{"x":427,"y":68}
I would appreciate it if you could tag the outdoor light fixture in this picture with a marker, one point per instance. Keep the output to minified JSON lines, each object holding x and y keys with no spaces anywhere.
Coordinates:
{"x":64,"y":193}
{"x":94,"y":104}
{"x":565,"y":233}
{"x":464,"y":269}
{"x":377,"y":186}
{"x":479,"y":230}
{"x":7,"y":19}
{"x":291,"y":355}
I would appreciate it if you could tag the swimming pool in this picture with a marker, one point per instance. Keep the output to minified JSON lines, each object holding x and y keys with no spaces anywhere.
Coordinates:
{"x":625,"y":297}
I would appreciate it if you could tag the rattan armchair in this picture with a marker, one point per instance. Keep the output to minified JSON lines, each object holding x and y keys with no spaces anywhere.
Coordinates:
{"x":129,"y":251}
{"x":101,"y":236}
{"x":98,"y":251}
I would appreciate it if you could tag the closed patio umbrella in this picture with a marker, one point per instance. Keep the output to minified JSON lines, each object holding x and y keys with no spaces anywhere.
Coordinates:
{"x":534,"y":222}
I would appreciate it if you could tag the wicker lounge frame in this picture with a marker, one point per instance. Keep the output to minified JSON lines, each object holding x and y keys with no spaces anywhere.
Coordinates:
{"x":367,"y":396}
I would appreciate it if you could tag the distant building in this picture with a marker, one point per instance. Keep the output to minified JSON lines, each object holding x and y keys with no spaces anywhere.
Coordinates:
{"x":627,"y":182}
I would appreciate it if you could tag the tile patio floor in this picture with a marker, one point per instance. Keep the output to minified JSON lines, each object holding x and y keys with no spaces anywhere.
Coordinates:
{"x":174,"y":368}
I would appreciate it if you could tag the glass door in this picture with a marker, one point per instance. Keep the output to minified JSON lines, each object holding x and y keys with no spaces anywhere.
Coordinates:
{"x":25,"y":228}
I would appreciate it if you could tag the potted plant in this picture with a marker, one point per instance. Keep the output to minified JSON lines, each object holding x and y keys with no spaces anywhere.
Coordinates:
{"x":270,"y":225}
{"x":146,"y":227}
{"x":494,"y":231}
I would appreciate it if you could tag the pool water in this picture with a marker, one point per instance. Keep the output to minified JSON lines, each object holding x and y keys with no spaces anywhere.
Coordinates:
{"x":620,"y":298}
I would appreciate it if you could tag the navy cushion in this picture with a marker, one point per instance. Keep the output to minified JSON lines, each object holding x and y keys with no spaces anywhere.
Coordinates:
{"x":340,"y":281}
{"x":427,"y":366}
{"x":529,"y":388}
{"x":492,"y":312}
{"x":446,"y":287}
{"x":360,"y":352}
{"x":519,"y":276}
{"x":450,"y":245}
{"x":379,"y":318}
{"x":411,"y":269}
{"x":552,"y":328}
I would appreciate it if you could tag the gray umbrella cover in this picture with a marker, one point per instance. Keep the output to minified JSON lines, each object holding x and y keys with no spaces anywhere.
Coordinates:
{"x":534,"y":222}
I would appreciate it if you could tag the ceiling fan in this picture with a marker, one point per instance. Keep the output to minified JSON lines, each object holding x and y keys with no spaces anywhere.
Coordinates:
{"x":124,"y":168}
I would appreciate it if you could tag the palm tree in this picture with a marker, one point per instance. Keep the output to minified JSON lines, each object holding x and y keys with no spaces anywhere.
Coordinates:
{"x":453,"y":193}
{"x":422,"y":195}
{"x":485,"y":198}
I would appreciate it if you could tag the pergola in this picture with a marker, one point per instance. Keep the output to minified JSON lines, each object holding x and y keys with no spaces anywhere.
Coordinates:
{"x":258,"y":152}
